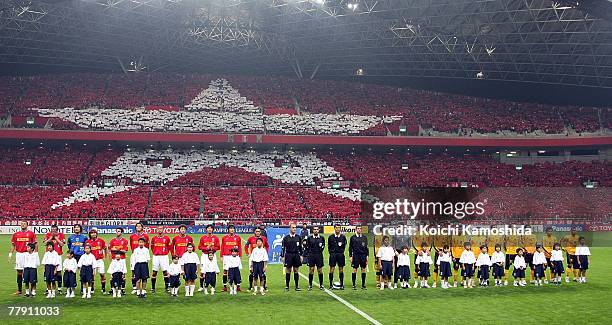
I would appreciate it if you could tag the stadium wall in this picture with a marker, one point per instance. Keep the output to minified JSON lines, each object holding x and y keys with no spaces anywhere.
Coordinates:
{"x":524,"y":142}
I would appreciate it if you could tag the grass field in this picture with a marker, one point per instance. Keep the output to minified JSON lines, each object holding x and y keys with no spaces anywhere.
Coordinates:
{"x":570,"y":303}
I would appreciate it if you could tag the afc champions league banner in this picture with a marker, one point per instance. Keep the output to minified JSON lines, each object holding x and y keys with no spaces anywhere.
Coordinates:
{"x":275,"y":239}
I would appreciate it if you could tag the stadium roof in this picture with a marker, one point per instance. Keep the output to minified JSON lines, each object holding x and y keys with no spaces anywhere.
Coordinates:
{"x":542,"y":41}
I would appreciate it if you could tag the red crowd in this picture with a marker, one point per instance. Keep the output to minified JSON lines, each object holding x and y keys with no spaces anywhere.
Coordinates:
{"x":36,"y":178}
{"x":421,"y":110}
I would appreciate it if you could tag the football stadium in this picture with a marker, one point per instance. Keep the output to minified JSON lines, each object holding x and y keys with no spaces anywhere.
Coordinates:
{"x":305,"y":161}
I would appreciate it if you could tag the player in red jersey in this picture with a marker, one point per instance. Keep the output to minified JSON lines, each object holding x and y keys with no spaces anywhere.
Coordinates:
{"x":99,"y":251}
{"x":160,"y":245}
{"x":248,"y":248}
{"x":20,"y":241}
{"x":134,"y":244}
{"x":208,"y":242}
{"x":180,"y":241}
{"x":137,"y":235}
{"x":119,"y":246}
{"x":229,"y":241}
{"x":58,"y":239}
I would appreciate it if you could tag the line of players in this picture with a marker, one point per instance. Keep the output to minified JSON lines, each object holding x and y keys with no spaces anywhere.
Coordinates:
{"x":295,"y":252}
{"x":87,"y":254}
{"x":481,"y":257}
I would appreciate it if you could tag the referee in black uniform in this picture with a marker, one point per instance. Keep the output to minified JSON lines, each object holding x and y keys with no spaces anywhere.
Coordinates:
{"x":315,"y":246}
{"x":291,"y":254}
{"x":358,"y":254}
{"x":336,"y":245}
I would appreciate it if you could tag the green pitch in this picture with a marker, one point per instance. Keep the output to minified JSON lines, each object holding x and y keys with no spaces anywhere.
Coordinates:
{"x":568,"y":304}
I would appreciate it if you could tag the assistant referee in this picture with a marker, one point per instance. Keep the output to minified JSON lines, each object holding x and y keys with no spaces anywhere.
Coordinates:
{"x":358,"y":254}
{"x":336,"y":245}
{"x":291,"y":254}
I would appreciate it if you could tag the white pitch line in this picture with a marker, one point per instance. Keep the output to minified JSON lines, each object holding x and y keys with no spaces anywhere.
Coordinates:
{"x":346,"y":303}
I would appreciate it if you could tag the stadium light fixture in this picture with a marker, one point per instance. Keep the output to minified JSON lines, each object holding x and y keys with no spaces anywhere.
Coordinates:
{"x":562,"y":6}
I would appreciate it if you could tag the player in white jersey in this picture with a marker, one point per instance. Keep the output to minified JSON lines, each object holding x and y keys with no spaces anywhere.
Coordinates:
{"x":258,"y":263}
{"x":117,"y":269}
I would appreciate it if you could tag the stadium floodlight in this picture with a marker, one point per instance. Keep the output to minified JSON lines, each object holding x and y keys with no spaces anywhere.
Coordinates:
{"x":561,"y":6}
